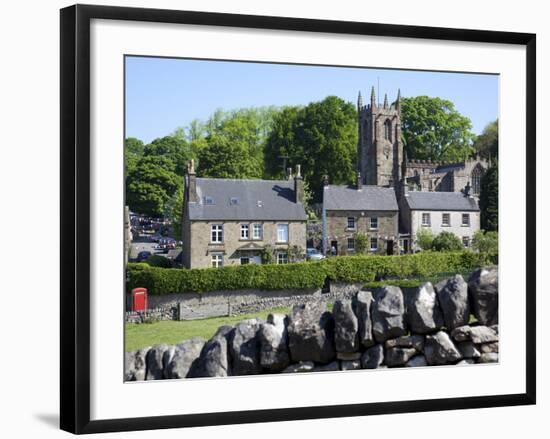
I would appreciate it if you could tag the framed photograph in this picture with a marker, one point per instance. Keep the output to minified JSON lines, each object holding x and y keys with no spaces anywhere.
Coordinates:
{"x":274,"y":218}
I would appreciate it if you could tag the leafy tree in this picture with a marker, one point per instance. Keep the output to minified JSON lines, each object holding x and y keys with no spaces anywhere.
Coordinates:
{"x":447,"y":241}
{"x":361,"y":243}
{"x":223,"y":158}
{"x":434,"y":130}
{"x":488,"y":199}
{"x":133,"y":150}
{"x":267,"y":255}
{"x":486,"y":143}
{"x":174,"y":148}
{"x":173,"y":210}
{"x":425,"y":239}
{"x":321,"y":137}
{"x":485,"y":242}
{"x":151,"y":184}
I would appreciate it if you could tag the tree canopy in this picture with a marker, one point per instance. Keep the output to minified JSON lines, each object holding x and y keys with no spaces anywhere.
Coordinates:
{"x":486,"y":143}
{"x":321,"y":137}
{"x":433,"y":129}
{"x":488,"y":199}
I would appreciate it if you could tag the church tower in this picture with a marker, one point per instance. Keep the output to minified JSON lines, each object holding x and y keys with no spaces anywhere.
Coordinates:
{"x":380,"y":149}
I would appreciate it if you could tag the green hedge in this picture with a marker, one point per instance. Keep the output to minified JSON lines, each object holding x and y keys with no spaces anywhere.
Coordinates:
{"x":302,"y":275}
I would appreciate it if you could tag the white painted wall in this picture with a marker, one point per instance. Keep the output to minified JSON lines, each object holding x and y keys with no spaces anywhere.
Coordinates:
{"x":437,"y":227}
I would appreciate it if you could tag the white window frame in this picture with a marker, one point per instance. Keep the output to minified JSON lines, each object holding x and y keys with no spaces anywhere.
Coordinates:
{"x":256,"y":227}
{"x":467,"y":223}
{"x":247,"y":258}
{"x":466,"y":241}
{"x":216,"y":229}
{"x":245,"y":231}
{"x":282,"y":258}
{"x":443,"y":215}
{"x":352,"y":241}
{"x":375,"y":219}
{"x":429,"y":222}
{"x":216,"y":260}
{"x":371,"y":248}
{"x":279,"y":228}
{"x":354,"y":221}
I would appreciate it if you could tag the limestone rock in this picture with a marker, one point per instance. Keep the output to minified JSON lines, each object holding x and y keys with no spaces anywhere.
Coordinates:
{"x":185,"y":354}
{"x":214,"y":358}
{"x":388,"y":313}
{"x":244,"y":348}
{"x":273,"y":338}
{"x":346,"y":327}
{"x":406,"y":341}
{"x":330,"y":367}
{"x":468,"y":349}
{"x":452,"y":294}
{"x":350,"y":365}
{"x":302,"y":366}
{"x":490,"y":357}
{"x":135,"y":365}
{"x":311,"y":333}
{"x":483,"y":289}
{"x":155,"y":366}
{"x":417,"y":361}
{"x":423,"y":313}
{"x":487,"y":348}
{"x":477,"y":334}
{"x":398,"y":356}
{"x":363,"y":304}
{"x":439,"y":349}
{"x":345,"y":356}
{"x":373,"y":357}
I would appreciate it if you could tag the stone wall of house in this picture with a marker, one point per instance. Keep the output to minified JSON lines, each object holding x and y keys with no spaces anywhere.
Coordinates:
{"x":337,"y":228}
{"x":201,"y":248}
{"x":386,"y":328}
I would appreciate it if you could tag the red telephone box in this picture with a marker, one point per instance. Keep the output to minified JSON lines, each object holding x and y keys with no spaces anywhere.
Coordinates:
{"x":139,"y":299}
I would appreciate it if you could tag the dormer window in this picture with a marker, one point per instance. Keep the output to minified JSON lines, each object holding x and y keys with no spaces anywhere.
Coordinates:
{"x":209,"y":201}
{"x":233,"y":201}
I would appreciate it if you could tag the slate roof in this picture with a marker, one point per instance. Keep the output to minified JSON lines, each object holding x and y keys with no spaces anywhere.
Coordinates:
{"x":372,"y":198}
{"x":418,"y":200}
{"x":232,"y":199}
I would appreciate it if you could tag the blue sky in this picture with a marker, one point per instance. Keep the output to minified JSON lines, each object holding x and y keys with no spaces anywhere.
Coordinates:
{"x":164,"y":93}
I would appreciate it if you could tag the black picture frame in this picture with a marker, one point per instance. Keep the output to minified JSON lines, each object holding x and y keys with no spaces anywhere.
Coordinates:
{"x":75,"y":217}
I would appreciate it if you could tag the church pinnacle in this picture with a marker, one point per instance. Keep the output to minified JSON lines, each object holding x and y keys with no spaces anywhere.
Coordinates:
{"x":372,"y":98}
{"x":359,"y":100}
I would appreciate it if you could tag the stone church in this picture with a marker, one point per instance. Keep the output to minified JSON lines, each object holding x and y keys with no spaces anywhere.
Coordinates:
{"x":394,"y":197}
{"x":383,"y":162}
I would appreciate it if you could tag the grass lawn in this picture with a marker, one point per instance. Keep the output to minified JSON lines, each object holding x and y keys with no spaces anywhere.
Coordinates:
{"x":172,"y":332}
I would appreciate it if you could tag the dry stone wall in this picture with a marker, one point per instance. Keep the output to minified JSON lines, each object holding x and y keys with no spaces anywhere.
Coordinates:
{"x":384,"y":328}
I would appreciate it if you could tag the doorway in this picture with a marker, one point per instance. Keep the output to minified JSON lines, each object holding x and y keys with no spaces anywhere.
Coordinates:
{"x":334,"y":248}
{"x":389,"y":243}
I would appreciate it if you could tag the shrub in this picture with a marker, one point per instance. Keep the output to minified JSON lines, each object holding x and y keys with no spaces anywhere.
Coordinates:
{"x":361,"y":243}
{"x":424,"y":239}
{"x":158,"y":261}
{"x":486,"y":242}
{"x":304,"y":275}
{"x":447,"y":241}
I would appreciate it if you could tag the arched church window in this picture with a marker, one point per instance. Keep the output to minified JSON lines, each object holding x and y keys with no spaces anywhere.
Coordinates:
{"x":387,"y":130}
{"x":476,"y":180}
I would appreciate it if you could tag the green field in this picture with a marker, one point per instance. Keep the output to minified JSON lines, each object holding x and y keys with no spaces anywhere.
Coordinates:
{"x":172,"y":332}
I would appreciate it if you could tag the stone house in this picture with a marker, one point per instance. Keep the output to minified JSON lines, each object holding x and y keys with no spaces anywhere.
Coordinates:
{"x":438,"y":212}
{"x":360,"y":209}
{"x":233,"y":221}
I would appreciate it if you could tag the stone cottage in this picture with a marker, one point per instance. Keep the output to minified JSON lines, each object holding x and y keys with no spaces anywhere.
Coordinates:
{"x":234,"y":221}
{"x":455,"y":212}
{"x":360,"y":209}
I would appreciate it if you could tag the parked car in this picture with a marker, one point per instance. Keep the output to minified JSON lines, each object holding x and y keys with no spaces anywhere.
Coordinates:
{"x":143,"y":256}
{"x":313,"y":254}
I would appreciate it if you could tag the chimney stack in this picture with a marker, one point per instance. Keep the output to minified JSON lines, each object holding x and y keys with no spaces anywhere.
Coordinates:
{"x":191,"y":182}
{"x":289,"y":173}
{"x":325,"y":180}
{"x":468,"y":190}
{"x":298,"y":186}
{"x":359,"y":181}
